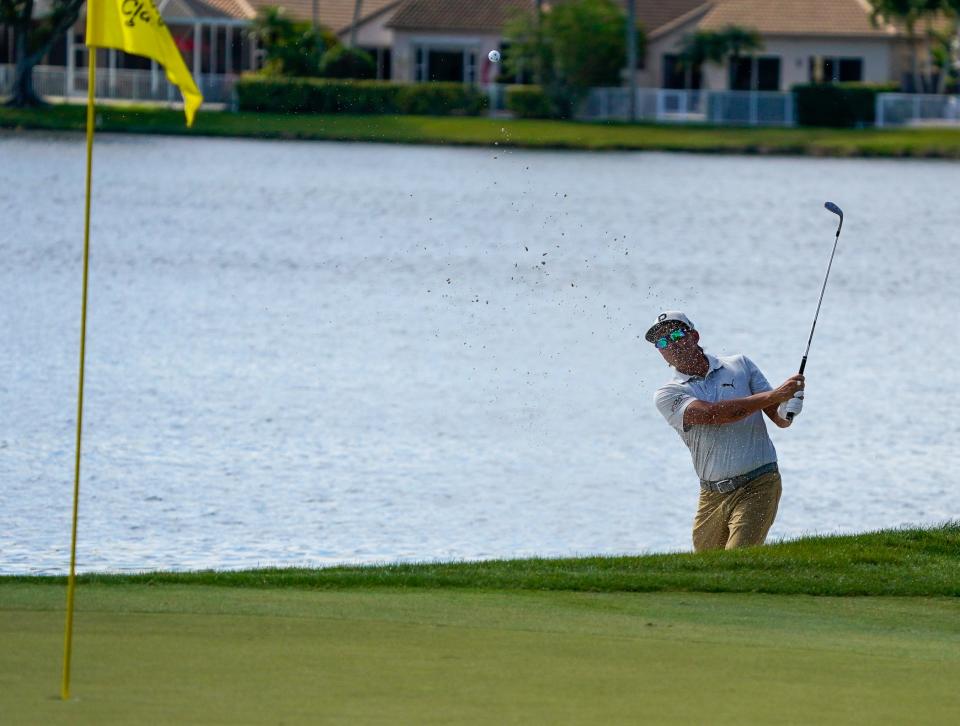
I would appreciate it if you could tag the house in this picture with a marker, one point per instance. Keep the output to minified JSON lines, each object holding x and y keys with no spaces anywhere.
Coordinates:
{"x":803,"y":42}
{"x":215,"y":36}
{"x":367,"y":33}
{"x":448,"y":40}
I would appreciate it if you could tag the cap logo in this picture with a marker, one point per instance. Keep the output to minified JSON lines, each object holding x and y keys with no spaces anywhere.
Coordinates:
{"x":661,"y":317}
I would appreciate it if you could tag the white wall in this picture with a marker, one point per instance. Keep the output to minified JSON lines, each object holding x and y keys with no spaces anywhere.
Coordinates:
{"x":795,"y":53}
{"x":404,"y":57}
{"x":881,"y":58}
{"x":374,"y":33}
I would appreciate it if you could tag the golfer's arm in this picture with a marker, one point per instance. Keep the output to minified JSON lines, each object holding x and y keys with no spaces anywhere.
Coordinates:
{"x":724,"y":412}
{"x":771,"y":412}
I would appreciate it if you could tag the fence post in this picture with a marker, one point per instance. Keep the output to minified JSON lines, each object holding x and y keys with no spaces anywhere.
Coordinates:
{"x":788,"y":119}
{"x":71,"y":62}
{"x":916,"y":106}
{"x":878,"y":111}
{"x":753,"y":108}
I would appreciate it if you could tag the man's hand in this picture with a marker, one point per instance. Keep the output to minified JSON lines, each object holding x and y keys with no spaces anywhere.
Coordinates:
{"x":793,"y":406}
{"x":788,"y":389}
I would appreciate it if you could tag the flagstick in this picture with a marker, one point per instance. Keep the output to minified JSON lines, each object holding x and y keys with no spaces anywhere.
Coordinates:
{"x":71,"y":583}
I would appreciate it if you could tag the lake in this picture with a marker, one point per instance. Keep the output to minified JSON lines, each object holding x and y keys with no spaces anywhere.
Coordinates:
{"x":307,"y":353}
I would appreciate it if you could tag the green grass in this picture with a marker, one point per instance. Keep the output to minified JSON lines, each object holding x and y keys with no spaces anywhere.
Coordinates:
{"x":906,"y":562}
{"x":525,"y":641}
{"x":925,"y":142}
{"x":200,"y":654}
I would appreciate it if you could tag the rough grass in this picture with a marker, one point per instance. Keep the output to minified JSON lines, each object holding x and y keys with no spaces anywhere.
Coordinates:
{"x":904,"y":562}
{"x":918,"y":142}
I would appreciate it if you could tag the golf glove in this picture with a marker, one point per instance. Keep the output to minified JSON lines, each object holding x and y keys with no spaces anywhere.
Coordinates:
{"x":794,"y":406}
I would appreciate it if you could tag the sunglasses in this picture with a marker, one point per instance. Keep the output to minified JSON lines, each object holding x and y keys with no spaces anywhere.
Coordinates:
{"x":666,"y":340}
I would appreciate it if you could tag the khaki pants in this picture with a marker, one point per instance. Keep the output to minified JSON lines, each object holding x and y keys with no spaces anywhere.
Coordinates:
{"x":739,"y":518}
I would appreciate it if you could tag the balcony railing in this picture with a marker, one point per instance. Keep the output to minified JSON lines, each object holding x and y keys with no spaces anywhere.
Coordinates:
{"x":917,"y":109}
{"x":747,"y":108}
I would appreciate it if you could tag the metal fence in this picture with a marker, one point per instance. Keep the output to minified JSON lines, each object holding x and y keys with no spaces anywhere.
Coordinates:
{"x":917,"y":109}
{"x":748,"y":108}
{"x":119,"y":84}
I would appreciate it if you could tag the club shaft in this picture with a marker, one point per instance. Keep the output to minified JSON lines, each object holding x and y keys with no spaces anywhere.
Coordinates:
{"x":803,"y":361}
{"x":823,"y":289}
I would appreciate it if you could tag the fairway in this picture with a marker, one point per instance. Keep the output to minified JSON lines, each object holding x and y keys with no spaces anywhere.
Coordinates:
{"x":201,"y":654}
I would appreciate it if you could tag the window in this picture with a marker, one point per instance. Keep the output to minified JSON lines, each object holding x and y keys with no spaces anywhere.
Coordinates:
{"x":755,"y":74}
{"x":385,"y":67}
{"x":829,"y":69}
{"x":470,"y":66}
{"x":420,"y":69}
{"x":445,"y":65}
{"x":381,"y":61}
{"x":768,"y":74}
{"x":675,"y":75}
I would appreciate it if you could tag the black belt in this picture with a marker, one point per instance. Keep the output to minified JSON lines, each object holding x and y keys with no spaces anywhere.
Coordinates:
{"x":725,"y":486}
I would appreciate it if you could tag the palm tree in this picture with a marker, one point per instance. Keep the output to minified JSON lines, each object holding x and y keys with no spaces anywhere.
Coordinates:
{"x":909,"y":13}
{"x":703,"y":46}
{"x":737,"y":42}
{"x":716,"y":46}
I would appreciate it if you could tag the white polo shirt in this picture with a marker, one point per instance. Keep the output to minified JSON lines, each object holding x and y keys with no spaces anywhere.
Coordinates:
{"x":720,"y":451}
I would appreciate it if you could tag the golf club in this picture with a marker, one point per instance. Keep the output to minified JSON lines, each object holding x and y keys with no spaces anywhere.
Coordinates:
{"x":830,"y":206}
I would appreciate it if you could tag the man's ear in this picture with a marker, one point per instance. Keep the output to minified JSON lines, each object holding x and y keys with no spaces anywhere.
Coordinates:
{"x":696,"y":336}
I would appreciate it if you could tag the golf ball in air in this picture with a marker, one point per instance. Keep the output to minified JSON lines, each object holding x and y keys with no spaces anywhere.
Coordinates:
{"x":494,"y":56}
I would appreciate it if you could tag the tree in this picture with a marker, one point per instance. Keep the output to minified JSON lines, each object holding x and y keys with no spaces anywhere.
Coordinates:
{"x":911,"y":13}
{"x":703,"y":46}
{"x":343,"y":62}
{"x":33,"y":40}
{"x":716,"y":46}
{"x":571,"y":46}
{"x":292,"y":48}
{"x":736,"y":42}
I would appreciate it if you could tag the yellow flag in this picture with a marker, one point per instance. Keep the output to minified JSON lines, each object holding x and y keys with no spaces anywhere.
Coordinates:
{"x":135,"y":26}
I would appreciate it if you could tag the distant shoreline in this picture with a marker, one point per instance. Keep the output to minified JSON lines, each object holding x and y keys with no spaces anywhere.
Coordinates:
{"x":914,"y":143}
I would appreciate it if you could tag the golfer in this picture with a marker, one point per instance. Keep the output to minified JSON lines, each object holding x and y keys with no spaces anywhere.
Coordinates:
{"x":714,"y":403}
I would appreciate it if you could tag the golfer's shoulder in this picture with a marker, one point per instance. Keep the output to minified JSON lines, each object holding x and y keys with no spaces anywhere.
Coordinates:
{"x":737,"y":362}
{"x":670,"y":391}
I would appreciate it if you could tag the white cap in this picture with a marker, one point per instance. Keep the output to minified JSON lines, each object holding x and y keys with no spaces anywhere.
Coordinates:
{"x":665,"y":317}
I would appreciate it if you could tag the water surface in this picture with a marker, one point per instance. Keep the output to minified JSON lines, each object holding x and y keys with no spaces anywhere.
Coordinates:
{"x":308,"y":353}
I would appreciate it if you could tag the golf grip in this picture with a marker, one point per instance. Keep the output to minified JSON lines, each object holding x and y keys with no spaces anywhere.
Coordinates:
{"x":803,"y":364}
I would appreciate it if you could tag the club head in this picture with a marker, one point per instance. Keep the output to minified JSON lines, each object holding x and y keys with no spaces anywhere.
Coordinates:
{"x":834,"y":208}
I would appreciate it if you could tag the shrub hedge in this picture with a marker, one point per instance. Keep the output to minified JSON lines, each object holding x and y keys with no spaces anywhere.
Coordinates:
{"x":441,"y":99}
{"x":529,"y":102}
{"x":343,"y":62}
{"x":320,"y":95}
{"x":838,"y":104}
